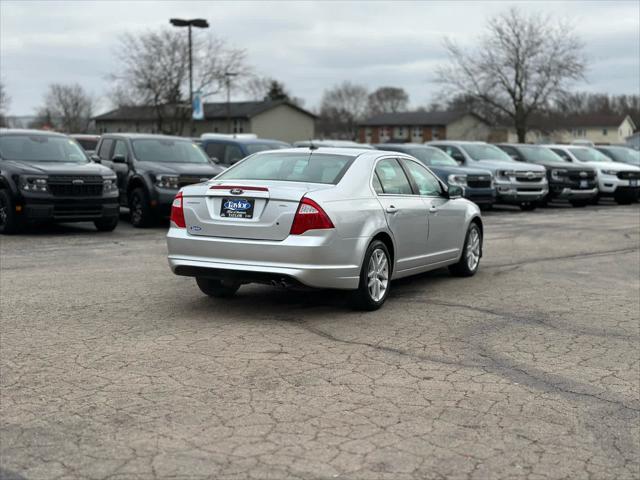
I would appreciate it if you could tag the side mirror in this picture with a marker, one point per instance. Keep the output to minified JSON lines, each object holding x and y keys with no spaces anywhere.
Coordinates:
{"x":214,"y":159}
{"x":119,"y":159}
{"x":514,"y":157}
{"x":455,"y":191}
{"x":96,"y":158}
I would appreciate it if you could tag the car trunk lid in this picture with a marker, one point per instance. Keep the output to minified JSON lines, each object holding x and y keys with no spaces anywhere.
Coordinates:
{"x":245,"y":210}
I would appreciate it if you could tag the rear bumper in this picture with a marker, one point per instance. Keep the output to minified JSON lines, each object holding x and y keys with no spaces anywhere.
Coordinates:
{"x":316,"y":259}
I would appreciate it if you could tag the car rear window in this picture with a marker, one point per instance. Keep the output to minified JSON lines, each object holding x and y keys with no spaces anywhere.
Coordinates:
{"x":291,"y":167}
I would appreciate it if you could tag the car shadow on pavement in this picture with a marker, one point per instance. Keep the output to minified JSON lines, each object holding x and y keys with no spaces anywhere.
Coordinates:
{"x":267,"y":299}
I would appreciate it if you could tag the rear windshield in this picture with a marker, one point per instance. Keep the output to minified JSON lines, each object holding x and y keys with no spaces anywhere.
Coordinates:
{"x":41,"y":148}
{"x":168,"y":150}
{"x":291,"y":167}
{"x":261,"y":147}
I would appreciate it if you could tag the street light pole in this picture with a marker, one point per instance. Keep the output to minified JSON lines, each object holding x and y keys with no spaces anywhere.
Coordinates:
{"x":190,"y":86}
{"x":227,"y":76}
{"x":198,"y":23}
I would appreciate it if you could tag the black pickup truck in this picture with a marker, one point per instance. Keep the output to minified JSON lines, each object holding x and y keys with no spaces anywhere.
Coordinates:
{"x":47,"y":176}
{"x":151,"y":169}
{"x":576,"y":183}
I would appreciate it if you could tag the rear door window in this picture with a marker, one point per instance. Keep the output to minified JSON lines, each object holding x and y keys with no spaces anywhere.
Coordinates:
{"x":392,"y":178}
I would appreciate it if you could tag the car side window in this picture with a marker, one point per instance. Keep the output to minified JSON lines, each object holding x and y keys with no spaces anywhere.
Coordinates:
{"x":105,"y":149}
{"x":120,"y":149}
{"x":453,"y":152}
{"x":215,"y":150}
{"x":377,"y":186}
{"x":427,"y":184}
{"x":232,"y":154}
{"x":563,"y":154}
{"x":512,"y":152}
{"x":392,"y":178}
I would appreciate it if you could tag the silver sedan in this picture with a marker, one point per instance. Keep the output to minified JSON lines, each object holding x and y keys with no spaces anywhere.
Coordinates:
{"x":322,"y":217}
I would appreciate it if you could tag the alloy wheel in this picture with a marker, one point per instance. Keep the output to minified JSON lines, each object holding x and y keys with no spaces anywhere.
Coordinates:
{"x":136,"y":209}
{"x":3,"y":213}
{"x":378,"y":275}
{"x":473,"y":249}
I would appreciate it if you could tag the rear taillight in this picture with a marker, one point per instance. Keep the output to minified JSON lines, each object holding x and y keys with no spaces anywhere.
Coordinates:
{"x":177,"y":212}
{"x":309,"y":216}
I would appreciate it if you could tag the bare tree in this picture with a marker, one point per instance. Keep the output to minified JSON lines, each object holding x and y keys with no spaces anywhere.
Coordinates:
{"x":388,"y":100}
{"x":4,"y":104}
{"x":154,"y":71}
{"x":67,"y":108}
{"x":520,"y":66}
{"x":267,"y":88}
{"x":341,"y":108}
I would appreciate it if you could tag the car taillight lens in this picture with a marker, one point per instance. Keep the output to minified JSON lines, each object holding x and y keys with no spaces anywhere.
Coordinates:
{"x":310,"y":216}
{"x":177,"y":212}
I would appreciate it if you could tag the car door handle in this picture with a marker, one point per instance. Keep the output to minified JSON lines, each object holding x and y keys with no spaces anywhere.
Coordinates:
{"x":433,"y":209}
{"x":392,"y":209}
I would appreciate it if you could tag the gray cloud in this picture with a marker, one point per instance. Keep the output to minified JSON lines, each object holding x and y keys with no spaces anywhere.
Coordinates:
{"x":310,"y":46}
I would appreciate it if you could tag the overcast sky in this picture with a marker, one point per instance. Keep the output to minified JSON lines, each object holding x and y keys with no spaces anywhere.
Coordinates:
{"x":307,"y":45}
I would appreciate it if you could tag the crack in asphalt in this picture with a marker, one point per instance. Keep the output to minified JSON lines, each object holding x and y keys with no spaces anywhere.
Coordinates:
{"x":564,"y":257}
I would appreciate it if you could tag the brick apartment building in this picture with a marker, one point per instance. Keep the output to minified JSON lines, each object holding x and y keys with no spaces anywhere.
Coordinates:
{"x":419,"y":127}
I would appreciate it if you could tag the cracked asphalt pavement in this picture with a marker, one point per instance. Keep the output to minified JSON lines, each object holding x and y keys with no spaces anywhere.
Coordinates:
{"x":114,"y":368}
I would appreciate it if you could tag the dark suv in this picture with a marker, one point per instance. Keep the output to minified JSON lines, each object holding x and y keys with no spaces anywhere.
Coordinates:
{"x":226,"y":150}
{"x":46,"y":176}
{"x":151,"y":169}
{"x":576,"y":183}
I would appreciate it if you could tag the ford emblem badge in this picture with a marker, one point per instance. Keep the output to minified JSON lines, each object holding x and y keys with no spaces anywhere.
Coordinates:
{"x":236,"y":191}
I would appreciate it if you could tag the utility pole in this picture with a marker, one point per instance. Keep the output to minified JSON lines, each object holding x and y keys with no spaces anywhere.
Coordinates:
{"x":198,"y":23}
{"x":227,"y":76}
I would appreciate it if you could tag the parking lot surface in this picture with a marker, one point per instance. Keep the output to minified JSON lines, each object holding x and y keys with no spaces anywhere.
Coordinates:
{"x":112,"y":367}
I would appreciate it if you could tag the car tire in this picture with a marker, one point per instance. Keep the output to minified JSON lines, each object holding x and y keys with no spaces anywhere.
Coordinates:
{"x":106,"y":224}
{"x":528,"y":206}
{"x":375,"y":278}
{"x":217,"y":288}
{"x":140,"y":211}
{"x":9,"y":224}
{"x":469,"y":261}
{"x":579,"y":203}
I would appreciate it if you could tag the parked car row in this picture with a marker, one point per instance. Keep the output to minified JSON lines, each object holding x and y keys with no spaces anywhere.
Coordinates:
{"x":528,"y":175}
{"x":46,"y":176}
